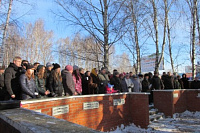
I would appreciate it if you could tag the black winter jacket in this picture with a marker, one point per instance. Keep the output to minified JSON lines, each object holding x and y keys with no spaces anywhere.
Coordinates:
{"x":117,"y":83}
{"x":1,"y":81}
{"x":12,"y":84}
{"x":55,"y":86}
{"x":157,"y":83}
{"x":28,"y":87}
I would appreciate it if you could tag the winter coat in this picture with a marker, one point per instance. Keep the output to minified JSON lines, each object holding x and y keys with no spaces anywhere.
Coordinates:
{"x":92,"y":86}
{"x":137,"y":85}
{"x":12,"y":83}
{"x":145,"y":85}
{"x":168,"y":82}
{"x":181,"y":83}
{"x":185,"y":83}
{"x":157,"y":83}
{"x":78,"y":85}
{"x":28,"y":87}
{"x":104,"y":80}
{"x":55,"y":86}
{"x":177,"y":85}
{"x":95,"y":80}
{"x":1,"y":81}
{"x":40,"y":84}
{"x":84,"y":84}
{"x":117,"y":83}
{"x":68,"y":83}
{"x":124,"y":85}
{"x":195,"y":85}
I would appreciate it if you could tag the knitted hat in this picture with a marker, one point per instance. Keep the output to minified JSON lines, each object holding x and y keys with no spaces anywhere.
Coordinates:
{"x":39,"y":67}
{"x":49,"y":64}
{"x":55,"y":66}
{"x":69,"y":68}
{"x":75,"y":67}
{"x":30,"y":66}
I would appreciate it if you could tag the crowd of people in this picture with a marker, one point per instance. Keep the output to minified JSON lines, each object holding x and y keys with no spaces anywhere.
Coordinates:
{"x":22,"y":80}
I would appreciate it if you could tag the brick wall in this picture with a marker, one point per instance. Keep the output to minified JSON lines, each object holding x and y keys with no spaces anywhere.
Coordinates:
{"x":176,"y":101}
{"x":106,"y":117}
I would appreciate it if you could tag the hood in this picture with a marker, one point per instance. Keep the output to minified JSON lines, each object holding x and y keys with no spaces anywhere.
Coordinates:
{"x":64,"y":72}
{"x":13,"y":66}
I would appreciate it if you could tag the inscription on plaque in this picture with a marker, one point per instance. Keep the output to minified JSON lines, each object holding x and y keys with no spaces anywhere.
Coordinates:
{"x":118,"y":101}
{"x":90,"y":105}
{"x":38,"y":110}
{"x":60,"y":110}
{"x":175,"y":95}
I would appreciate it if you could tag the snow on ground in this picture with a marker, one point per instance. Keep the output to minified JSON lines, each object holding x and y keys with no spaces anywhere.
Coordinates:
{"x":183,"y":122}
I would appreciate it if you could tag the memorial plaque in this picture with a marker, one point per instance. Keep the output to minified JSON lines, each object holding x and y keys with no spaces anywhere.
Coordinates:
{"x":118,"y":101}
{"x":90,"y":105}
{"x":38,"y":110}
{"x":60,"y":110}
{"x":175,"y":95}
{"x":198,"y":94}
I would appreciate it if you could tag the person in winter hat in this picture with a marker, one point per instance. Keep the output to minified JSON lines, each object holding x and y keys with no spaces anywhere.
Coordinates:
{"x":67,"y":80}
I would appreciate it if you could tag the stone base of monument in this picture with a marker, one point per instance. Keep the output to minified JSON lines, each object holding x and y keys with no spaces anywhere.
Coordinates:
{"x":11,"y":104}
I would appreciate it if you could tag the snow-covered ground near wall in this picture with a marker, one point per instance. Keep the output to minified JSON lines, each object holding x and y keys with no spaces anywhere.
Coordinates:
{"x":181,"y":122}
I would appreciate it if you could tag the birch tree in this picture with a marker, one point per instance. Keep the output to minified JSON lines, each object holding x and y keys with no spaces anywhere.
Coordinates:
{"x":101,"y":19}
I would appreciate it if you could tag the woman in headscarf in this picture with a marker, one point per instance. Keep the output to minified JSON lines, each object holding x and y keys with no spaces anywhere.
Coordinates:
{"x":95,"y":80}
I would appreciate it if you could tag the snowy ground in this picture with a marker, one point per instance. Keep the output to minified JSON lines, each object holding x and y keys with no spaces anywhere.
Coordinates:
{"x":183,"y":122}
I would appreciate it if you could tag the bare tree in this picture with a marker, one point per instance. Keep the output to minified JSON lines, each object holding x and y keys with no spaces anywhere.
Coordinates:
{"x":5,"y":31}
{"x":101,"y":19}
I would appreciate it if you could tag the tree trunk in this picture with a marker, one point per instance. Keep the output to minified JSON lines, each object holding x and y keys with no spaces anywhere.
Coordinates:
{"x":194,"y":14}
{"x":6,"y":61}
{"x":155,"y":22}
{"x":136,"y":39}
{"x":170,"y":49}
{"x":106,"y":45}
{"x":198,"y":26}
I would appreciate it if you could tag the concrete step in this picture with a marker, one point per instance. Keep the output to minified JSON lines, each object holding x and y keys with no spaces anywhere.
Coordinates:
{"x":155,"y":117}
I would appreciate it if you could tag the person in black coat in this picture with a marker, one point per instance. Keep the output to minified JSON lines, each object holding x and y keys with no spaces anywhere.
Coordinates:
{"x":84,"y":82}
{"x":185,"y":81}
{"x":180,"y":81}
{"x":168,"y":81}
{"x":146,"y":83}
{"x":157,"y":83}
{"x":55,"y":81}
{"x":12,"y":84}
{"x":27,"y":82}
{"x":47,"y":73}
{"x":116,"y":82}
{"x":195,"y":84}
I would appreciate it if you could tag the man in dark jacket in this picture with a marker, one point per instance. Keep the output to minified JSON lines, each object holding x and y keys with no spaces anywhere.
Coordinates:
{"x":68,"y":82}
{"x":157,"y":83}
{"x":146,"y":83}
{"x":12,"y":74}
{"x":195,"y":84}
{"x":168,"y":81}
{"x":116,"y":81}
{"x":185,"y":81}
